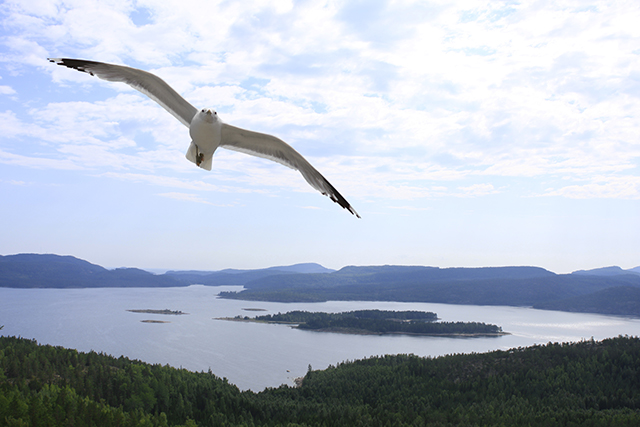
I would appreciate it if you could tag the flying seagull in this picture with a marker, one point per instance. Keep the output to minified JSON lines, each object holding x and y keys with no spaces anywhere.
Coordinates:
{"x":206,"y":129}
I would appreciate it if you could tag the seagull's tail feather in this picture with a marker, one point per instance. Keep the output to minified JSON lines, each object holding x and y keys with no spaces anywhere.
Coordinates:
{"x":192,"y":153}
{"x":207,"y":162}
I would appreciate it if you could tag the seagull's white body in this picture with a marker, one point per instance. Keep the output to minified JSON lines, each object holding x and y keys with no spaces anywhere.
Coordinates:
{"x":206,"y":129}
{"x":206,"y":135}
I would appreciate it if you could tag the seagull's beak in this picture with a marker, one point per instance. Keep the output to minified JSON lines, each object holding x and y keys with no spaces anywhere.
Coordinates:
{"x":209,"y":112}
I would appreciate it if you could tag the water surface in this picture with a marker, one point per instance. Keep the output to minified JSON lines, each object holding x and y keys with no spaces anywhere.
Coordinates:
{"x":252,"y":355}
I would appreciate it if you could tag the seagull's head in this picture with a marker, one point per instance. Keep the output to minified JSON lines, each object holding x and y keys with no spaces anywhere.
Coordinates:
{"x":208,"y":115}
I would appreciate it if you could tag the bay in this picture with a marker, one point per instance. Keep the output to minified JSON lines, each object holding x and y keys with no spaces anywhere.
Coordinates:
{"x":252,"y":355}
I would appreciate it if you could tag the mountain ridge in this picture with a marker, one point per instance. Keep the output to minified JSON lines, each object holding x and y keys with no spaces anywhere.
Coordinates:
{"x":609,"y":290}
{"x":613,"y":270}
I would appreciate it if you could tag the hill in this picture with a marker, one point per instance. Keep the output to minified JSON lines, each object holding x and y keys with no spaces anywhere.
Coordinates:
{"x":233,"y":277}
{"x":55,"y":271}
{"x":586,"y":383}
{"x":608,"y":271}
{"x":518,"y":286}
{"x":515,"y":286}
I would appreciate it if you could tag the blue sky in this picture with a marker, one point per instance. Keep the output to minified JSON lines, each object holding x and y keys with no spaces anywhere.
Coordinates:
{"x":465,"y":133}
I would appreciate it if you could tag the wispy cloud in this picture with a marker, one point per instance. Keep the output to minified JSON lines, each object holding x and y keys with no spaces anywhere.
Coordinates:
{"x":6,"y":90}
{"x":624,"y":187}
{"x":477,"y":190}
{"x":37,"y":162}
{"x":173,"y":182}
{"x":14,"y":182}
{"x":188,"y":197}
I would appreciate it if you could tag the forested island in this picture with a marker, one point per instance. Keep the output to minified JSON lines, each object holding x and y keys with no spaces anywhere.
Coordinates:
{"x":377,"y":322}
{"x":592,"y":383}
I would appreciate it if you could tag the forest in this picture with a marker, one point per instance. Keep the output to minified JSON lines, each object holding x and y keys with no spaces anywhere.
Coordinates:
{"x":590,"y":383}
{"x":379,"y":322}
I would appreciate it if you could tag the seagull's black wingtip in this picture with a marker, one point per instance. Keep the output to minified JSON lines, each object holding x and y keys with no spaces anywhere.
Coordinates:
{"x":353,"y":211}
{"x":350,"y":209}
{"x":337,"y":197}
{"x":76,"y":64}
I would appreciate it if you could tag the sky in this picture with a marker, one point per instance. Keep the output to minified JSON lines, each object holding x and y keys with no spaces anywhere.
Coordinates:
{"x":465,"y":133}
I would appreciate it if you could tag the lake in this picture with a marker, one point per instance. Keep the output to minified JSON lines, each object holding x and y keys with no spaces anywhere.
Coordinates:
{"x":254,"y":356}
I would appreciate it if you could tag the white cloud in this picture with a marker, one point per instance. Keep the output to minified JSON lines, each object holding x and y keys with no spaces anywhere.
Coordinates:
{"x":470,"y":89}
{"x":622,"y":187}
{"x":37,"y":162}
{"x":476,"y":190}
{"x":410,"y":208}
{"x":14,"y":182}
{"x":187,"y":197}
{"x":172,"y":182}
{"x":6,"y":90}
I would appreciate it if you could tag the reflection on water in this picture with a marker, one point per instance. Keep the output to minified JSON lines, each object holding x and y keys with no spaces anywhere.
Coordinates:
{"x":574,"y":325}
{"x":255,"y":356}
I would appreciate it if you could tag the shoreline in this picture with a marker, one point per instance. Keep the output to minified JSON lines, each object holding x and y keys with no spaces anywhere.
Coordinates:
{"x":242,"y":319}
{"x":165,"y":311}
{"x":350,"y":331}
{"x":365,"y":332}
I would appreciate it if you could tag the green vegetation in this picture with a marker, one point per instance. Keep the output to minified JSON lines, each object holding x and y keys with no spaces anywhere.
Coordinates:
{"x":587,"y":383}
{"x":306,"y":317}
{"x":379,"y":322}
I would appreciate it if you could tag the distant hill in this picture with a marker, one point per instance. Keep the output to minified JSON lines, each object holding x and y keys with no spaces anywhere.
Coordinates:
{"x":609,"y":290}
{"x":304,"y":268}
{"x":608,"y":271}
{"x":310,"y":267}
{"x":56,"y":271}
{"x":515,"y":286}
{"x":233,"y":277}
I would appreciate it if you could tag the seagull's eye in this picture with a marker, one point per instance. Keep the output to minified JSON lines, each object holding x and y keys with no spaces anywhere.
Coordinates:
{"x":202,"y":110}
{"x":215,"y":112}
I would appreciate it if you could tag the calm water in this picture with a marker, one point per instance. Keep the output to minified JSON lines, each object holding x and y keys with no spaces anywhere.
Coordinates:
{"x":254,"y":356}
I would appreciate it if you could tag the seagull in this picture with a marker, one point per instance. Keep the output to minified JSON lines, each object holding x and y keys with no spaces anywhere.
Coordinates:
{"x":207,"y":130}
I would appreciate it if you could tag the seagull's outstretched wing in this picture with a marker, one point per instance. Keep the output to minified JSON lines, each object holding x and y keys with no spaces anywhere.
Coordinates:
{"x":149,"y":84}
{"x":272,"y":148}
{"x":233,"y":138}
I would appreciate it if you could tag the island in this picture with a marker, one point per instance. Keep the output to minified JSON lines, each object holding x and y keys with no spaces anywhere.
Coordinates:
{"x":377,"y":322}
{"x":165,"y":311}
